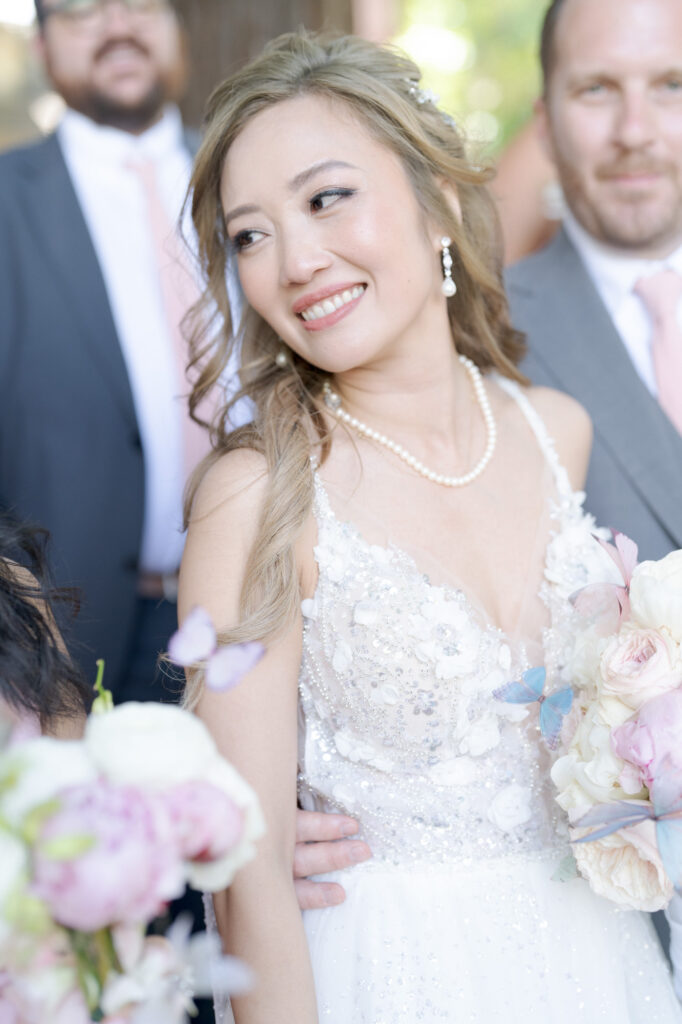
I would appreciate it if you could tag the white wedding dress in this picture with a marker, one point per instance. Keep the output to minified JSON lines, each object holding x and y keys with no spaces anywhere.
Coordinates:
{"x":456,"y":917}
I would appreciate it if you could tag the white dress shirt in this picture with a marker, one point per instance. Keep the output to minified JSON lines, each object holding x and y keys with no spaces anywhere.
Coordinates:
{"x":615,"y":274}
{"x":113,"y":204}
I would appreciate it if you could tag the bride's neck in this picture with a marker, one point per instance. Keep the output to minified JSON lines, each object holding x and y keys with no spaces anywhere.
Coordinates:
{"x":418,"y":399}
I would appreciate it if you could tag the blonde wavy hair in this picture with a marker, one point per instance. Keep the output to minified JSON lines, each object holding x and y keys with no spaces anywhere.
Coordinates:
{"x":380,"y":86}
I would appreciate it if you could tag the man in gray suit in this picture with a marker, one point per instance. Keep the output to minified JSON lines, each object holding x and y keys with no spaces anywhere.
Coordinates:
{"x":90,"y":426}
{"x":611,"y":117}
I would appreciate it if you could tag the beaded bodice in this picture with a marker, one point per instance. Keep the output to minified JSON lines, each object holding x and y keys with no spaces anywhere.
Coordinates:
{"x":398,"y":723}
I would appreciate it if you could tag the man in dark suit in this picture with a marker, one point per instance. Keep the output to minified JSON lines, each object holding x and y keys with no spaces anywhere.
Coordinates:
{"x":91,"y":423}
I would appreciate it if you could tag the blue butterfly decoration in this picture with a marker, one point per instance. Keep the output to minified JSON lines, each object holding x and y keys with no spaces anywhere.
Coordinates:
{"x":529,"y":690}
{"x":665,"y":810}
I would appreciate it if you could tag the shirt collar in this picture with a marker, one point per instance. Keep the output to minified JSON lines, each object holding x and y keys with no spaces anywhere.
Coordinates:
{"x":615,"y":272}
{"x":112,"y":145}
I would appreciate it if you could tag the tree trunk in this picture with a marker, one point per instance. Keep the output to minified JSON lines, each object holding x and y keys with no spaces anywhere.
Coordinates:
{"x":223,"y":35}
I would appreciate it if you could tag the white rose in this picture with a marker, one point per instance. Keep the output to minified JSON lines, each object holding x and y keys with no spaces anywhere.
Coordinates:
{"x":590,"y":772}
{"x":613,"y":712}
{"x":41,"y":768}
{"x":583,"y":668}
{"x":510,"y":807}
{"x":656,"y":594}
{"x":626,"y":868}
{"x":639,"y":664}
{"x":216,"y":875}
{"x":571,"y":795}
{"x":149,"y":744}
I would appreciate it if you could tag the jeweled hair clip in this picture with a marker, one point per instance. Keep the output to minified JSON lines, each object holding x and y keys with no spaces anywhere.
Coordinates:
{"x":423,"y":96}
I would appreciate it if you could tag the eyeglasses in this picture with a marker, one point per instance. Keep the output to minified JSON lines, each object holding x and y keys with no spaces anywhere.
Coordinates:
{"x":90,"y":14}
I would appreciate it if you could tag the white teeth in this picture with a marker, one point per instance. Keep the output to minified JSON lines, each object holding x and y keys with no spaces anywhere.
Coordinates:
{"x":333,"y":303}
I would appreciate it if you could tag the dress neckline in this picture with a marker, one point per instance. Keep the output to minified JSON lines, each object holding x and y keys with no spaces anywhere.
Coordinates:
{"x":477,"y":614}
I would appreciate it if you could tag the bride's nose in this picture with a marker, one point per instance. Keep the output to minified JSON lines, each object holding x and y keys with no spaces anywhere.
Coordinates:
{"x":301,"y":255}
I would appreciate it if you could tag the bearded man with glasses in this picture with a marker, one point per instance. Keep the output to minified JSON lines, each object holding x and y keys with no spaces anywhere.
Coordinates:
{"x":93,"y":423}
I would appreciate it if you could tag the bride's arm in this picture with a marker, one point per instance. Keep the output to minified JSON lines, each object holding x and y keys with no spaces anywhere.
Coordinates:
{"x":255,"y":727}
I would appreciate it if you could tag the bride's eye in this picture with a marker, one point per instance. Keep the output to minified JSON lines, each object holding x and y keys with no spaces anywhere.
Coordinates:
{"x":323,"y":200}
{"x":244,"y":239}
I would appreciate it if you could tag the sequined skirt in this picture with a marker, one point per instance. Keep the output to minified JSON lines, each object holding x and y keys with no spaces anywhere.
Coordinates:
{"x":496,"y":941}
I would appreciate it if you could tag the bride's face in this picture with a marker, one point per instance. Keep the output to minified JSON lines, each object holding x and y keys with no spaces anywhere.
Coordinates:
{"x":332,"y":246}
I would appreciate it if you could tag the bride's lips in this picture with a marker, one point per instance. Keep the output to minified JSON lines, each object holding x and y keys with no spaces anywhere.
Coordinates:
{"x":313,"y":305}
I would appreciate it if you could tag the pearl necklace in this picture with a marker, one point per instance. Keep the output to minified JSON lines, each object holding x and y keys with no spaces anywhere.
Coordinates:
{"x":333,"y":402}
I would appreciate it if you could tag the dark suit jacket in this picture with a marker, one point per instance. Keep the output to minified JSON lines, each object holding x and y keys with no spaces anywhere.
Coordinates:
{"x":70,"y":451}
{"x":635,"y":476}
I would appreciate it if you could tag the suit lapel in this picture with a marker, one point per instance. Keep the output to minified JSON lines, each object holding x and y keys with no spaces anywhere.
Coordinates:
{"x":57,"y":220}
{"x":583,"y":352}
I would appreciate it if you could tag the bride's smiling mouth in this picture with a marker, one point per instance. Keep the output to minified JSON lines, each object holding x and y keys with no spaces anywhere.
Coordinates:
{"x":328,"y":306}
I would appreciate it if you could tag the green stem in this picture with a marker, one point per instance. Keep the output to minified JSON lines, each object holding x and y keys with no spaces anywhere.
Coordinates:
{"x":96,"y":958}
{"x":104,"y":700}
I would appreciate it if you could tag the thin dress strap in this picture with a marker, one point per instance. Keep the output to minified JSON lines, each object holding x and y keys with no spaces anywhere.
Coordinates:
{"x":544,"y":439}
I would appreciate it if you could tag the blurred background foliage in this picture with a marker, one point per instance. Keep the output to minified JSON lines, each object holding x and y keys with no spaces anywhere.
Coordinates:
{"x":479,"y":56}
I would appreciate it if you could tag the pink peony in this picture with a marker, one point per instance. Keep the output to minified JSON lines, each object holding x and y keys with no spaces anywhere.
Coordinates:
{"x":652,"y":735}
{"x":638,"y":665}
{"x":128,"y":873}
{"x":205,"y":822}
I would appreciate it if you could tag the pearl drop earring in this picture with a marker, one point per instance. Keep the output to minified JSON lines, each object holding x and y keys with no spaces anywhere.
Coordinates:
{"x":448,"y":286}
{"x":281,"y":359}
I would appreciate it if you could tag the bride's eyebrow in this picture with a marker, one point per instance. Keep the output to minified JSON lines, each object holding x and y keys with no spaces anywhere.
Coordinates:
{"x":322,"y":165}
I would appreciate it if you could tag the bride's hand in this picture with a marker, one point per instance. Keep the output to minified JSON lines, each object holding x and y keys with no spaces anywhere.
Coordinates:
{"x":321,"y":846}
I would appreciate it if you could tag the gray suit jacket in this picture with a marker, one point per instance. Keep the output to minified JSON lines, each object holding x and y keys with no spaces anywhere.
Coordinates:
{"x":70,"y":452}
{"x":635,"y":476}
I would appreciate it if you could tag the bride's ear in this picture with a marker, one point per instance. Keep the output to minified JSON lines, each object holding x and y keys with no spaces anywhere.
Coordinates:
{"x":451,"y":197}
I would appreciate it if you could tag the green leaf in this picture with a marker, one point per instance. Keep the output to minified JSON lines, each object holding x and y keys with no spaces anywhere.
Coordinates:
{"x":67,"y":847}
{"x":104,"y":700}
{"x":35,"y":819}
{"x":567,"y":869}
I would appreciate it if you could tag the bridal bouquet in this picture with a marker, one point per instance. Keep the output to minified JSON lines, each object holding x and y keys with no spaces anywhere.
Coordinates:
{"x":620,"y":780}
{"x":98,"y":835}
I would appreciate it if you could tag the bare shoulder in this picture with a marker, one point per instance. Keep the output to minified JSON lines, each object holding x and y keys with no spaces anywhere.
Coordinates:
{"x":570,"y":427}
{"x":234,"y":484}
{"x":223,"y":525}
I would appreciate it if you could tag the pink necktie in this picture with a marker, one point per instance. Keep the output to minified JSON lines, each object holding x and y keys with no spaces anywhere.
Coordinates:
{"x":178,"y":291}
{"x":661,"y":295}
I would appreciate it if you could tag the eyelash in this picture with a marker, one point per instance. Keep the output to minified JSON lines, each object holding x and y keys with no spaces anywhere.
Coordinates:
{"x":240,"y":242}
{"x":339,"y":193}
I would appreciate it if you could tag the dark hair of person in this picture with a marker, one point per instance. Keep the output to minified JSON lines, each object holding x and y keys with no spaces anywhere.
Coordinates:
{"x":548,"y":39}
{"x":36,"y":673}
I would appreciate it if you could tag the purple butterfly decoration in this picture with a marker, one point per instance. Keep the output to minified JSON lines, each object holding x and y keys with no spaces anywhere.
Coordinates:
{"x":609,"y":603}
{"x":529,"y":690}
{"x":196,"y":641}
{"x":665,"y":810}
